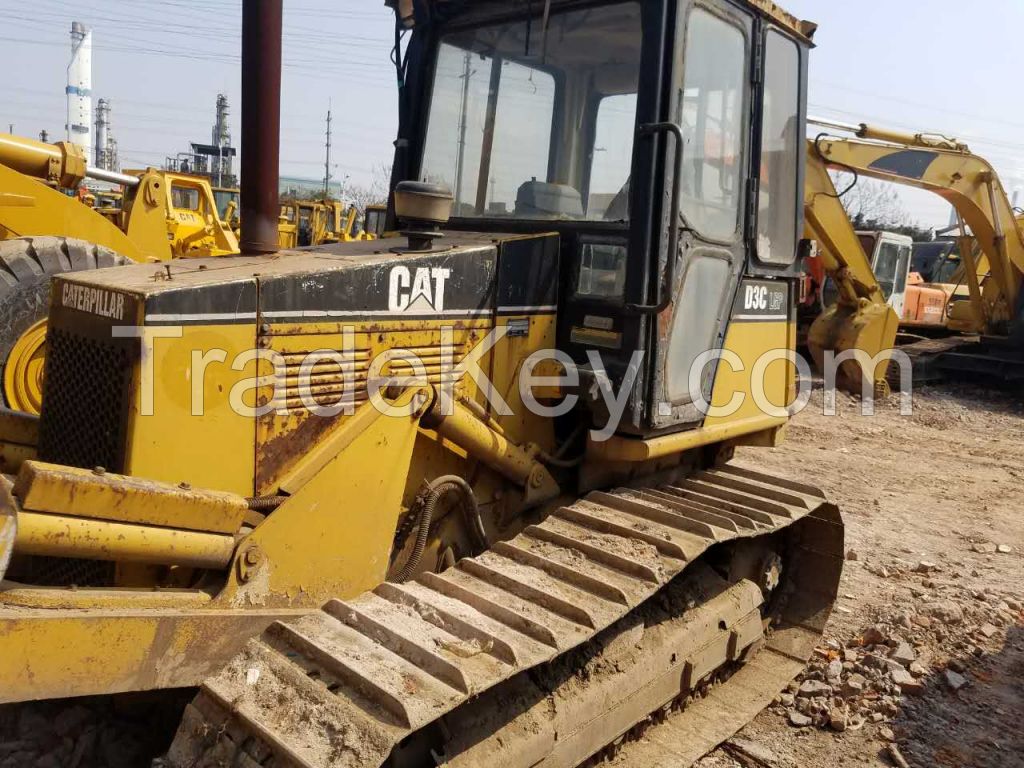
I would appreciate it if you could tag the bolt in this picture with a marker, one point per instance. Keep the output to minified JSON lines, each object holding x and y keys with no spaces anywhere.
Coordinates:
{"x":252,"y":556}
{"x":99,"y":471}
{"x":185,"y":486}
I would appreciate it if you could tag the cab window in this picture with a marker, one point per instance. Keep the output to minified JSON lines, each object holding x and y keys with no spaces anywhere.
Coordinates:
{"x":712,"y":119}
{"x":184,"y":198}
{"x":780,"y":148}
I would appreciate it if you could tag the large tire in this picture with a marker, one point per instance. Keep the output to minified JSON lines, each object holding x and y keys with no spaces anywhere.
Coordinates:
{"x":27,"y":266}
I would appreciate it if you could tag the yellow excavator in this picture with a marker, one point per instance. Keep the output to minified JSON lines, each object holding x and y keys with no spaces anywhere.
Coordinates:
{"x":45,"y":231}
{"x":464,"y":495}
{"x":991,"y":240}
{"x":861,"y":325}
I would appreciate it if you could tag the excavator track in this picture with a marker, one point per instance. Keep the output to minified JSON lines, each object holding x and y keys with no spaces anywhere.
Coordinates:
{"x":548,"y":648}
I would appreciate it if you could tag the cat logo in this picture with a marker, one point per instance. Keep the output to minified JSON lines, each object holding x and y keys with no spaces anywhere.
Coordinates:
{"x":421,"y":290}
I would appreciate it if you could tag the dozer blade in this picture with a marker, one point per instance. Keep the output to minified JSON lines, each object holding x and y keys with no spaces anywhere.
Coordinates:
{"x":549,"y":647}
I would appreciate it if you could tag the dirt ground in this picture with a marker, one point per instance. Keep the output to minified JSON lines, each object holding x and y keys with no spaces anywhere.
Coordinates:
{"x":934,"y":506}
{"x":934,"y":510}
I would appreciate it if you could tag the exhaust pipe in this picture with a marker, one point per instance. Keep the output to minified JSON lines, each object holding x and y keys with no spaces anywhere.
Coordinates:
{"x":261,"y":124}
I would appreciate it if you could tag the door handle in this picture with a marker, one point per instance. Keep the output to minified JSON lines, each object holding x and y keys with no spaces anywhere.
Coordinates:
{"x":666,"y":282}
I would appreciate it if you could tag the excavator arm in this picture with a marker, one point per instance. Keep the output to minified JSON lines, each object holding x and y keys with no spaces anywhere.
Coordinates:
{"x":949,"y":169}
{"x":861,"y":324}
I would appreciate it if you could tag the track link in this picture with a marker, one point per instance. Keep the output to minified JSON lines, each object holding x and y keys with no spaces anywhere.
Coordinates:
{"x":362,"y":681}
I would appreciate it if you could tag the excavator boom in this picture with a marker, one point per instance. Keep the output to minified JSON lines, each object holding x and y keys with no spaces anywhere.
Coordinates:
{"x":861,"y":326}
{"x":971,"y":185}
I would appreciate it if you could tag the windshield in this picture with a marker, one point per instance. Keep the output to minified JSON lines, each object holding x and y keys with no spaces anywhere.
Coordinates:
{"x":519,"y":131}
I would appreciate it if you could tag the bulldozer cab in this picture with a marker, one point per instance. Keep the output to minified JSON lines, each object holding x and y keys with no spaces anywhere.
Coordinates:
{"x":661,"y":139}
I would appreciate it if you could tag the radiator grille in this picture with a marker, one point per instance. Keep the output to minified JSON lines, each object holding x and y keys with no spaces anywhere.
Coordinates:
{"x":85,"y":403}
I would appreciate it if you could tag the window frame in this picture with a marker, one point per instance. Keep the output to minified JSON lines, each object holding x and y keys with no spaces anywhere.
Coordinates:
{"x":769,"y":31}
{"x":747,"y":146}
{"x":756,"y":266}
{"x":484,"y":221}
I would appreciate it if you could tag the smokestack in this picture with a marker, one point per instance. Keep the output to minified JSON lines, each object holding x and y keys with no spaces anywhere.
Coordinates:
{"x":222,"y":166}
{"x":261,"y":124}
{"x":79,"y":89}
{"x":102,"y":125}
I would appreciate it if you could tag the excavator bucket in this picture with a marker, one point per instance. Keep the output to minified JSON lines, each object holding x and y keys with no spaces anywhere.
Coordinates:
{"x":860,"y":340}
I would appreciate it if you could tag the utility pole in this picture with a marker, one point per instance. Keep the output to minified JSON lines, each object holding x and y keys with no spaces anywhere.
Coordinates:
{"x":327,"y":161}
{"x":463,"y":125}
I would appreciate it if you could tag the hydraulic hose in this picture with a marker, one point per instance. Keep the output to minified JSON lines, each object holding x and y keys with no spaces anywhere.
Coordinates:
{"x":470,"y":511}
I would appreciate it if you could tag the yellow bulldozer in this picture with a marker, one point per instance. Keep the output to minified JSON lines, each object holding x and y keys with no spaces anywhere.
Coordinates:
{"x":315,"y":222}
{"x":45,"y":231}
{"x":464,"y":495}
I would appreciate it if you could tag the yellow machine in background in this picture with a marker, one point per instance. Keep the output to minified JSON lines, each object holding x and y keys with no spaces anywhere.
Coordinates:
{"x":315,"y":222}
{"x":861,"y":322}
{"x":43,"y":232}
{"x":990,"y":237}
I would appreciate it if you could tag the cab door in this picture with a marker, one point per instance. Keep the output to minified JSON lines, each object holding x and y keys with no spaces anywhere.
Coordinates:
{"x":712,"y":87}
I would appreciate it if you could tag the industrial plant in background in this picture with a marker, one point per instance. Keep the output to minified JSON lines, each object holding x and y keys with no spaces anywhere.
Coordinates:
{"x":215,"y":161}
{"x":100,"y":146}
{"x":106,"y":144}
{"x":79,"y":89}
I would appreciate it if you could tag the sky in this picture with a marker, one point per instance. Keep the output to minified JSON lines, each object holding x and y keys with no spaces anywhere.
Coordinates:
{"x":937,"y":66}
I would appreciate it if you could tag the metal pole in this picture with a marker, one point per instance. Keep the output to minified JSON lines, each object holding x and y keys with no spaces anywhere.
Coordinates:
{"x":463,"y":126}
{"x":261,"y":124}
{"x":327,"y":162}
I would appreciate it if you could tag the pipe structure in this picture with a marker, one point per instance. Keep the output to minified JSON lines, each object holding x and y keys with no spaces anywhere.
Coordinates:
{"x":58,"y":536}
{"x":61,"y":163}
{"x":261,"y":124}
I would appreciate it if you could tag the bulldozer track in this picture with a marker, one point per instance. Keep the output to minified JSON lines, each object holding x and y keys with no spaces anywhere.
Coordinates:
{"x":362,"y":680}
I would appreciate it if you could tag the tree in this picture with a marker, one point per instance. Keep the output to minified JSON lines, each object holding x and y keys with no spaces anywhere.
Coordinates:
{"x":876,"y":205}
{"x":373,"y":193}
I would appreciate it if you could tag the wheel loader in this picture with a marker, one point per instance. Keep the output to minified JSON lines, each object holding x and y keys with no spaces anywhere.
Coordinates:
{"x":44,"y":231}
{"x":465,"y":495}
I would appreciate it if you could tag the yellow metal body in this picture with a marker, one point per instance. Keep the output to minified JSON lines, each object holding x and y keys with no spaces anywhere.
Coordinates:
{"x":97,"y":494}
{"x":175,"y":216}
{"x":30,"y":208}
{"x":339,"y":487}
{"x":970,"y":184}
{"x":57,"y":536}
{"x":165,"y":216}
{"x":861,"y":322}
{"x":23,"y":373}
{"x":61,"y":164}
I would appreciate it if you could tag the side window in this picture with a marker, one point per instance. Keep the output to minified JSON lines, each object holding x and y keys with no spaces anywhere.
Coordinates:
{"x":887,"y":267}
{"x":602,"y":271}
{"x":612,"y":159}
{"x":902,"y":268}
{"x":712,"y":119}
{"x":780,"y":147}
